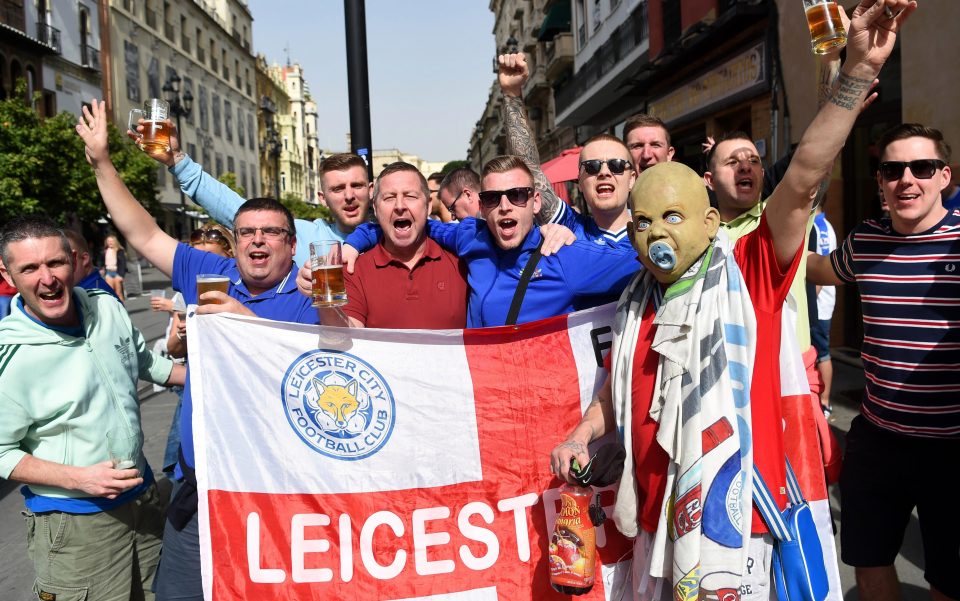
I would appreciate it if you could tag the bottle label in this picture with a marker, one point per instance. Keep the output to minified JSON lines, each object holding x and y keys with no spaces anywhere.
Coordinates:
{"x":573,"y":544}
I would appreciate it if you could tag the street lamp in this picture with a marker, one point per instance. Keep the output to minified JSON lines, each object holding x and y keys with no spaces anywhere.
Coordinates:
{"x":179,"y":107}
{"x":271,"y":145}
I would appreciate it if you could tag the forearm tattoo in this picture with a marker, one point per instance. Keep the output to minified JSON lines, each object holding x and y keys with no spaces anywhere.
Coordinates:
{"x":520,"y":143}
{"x":826,"y":78}
{"x":849,"y":92}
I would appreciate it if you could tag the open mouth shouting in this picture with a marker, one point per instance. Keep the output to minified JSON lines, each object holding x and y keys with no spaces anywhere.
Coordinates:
{"x":53,"y":297}
{"x":508,"y":228}
{"x":745,"y":185}
{"x":259,"y":258}
{"x":605,"y":190}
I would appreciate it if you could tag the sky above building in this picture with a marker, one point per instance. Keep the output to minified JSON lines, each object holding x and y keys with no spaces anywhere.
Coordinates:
{"x":429,"y":63}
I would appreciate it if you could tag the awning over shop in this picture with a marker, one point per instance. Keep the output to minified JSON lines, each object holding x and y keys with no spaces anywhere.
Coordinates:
{"x":556,"y":21}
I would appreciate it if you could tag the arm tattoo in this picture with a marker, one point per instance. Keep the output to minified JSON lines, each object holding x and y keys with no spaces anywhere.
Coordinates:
{"x":849,"y":92}
{"x":520,"y":143}
{"x":826,"y":77}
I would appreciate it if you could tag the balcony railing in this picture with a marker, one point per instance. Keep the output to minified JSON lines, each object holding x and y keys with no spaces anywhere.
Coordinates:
{"x":49,"y":36}
{"x":11,"y":14}
{"x":630,"y":34}
{"x":90,"y":57}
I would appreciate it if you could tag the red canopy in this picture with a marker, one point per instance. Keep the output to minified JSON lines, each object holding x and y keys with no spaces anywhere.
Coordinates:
{"x":563,"y":168}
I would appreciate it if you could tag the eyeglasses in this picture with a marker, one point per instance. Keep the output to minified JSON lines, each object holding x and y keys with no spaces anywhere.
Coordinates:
{"x":616,"y":166}
{"x":270,"y":233}
{"x":453,"y":203}
{"x":200,"y":236}
{"x":517,"y":197}
{"x":921,"y":168}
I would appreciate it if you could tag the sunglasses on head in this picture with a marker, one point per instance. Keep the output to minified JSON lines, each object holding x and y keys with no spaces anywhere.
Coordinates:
{"x":921,"y":168}
{"x":616,"y":166}
{"x":201,"y":235}
{"x":517,"y":197}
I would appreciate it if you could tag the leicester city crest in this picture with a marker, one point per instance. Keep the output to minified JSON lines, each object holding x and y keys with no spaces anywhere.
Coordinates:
{"x":338,"y":404}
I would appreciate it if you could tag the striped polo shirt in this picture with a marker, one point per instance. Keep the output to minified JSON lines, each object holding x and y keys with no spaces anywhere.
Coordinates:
{"x":910,"y":293}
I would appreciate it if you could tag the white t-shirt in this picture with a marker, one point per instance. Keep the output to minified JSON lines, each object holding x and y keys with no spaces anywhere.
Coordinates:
{"x":826,"y":243}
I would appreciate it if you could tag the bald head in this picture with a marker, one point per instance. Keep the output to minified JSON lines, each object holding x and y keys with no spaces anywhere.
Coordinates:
{"x":669,"y":205}
{"x":670,"y":180}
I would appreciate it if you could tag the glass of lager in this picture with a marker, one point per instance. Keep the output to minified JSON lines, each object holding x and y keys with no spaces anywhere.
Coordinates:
{"x":826,"y":28}
{"x":210,"y":282}
{"x":156,"y":135}
{"x":124,"y":445}
{"x":326,"y":263}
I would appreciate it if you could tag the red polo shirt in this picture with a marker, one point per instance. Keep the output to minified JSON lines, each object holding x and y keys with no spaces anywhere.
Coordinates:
{"x":384,"y":293}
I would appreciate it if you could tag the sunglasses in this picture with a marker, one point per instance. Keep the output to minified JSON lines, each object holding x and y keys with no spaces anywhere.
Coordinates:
{"x":921,"y":168}
{"x":199,"y":236}
{"x":518,"y":197}
{"x":451,"y":207}
{"x":616,"y":166}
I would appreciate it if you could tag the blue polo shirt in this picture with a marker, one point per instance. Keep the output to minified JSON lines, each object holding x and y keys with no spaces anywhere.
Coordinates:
{"x":282,"y":303}
{"x":576,"y":272}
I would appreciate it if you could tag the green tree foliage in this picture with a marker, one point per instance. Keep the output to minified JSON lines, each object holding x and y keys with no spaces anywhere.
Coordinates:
{"x":303,"y":210}
{"x":451,"y":165}
{"x":230,"y":180}
{"x":43,"y":169}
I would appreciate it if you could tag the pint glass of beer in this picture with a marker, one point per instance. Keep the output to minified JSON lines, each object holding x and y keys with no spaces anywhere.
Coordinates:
{"x":208,"y":282}
{"x":327,"y":266}
{"x":156,"y":135}
{"x":826,"y":28}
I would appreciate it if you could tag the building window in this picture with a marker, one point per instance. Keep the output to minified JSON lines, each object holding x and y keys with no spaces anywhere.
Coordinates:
{"x":286,"y":145}
{"x":240,"y":137}
{"x":283,"y":181}
{"x":219,"y":161}
{"x":216,"y":115}
{"x":228,"y":120}
{"x":231,"y":165}
{"x":581,"y":24}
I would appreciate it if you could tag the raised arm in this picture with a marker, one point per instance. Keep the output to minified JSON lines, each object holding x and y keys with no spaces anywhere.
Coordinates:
{"x":213,"y":195}
{"x":134,"y":222}
{"x":512,"y":74}
{"x":871,"y":39}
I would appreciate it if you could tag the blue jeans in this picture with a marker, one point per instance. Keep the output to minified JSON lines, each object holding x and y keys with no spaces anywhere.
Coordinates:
{"x":178,"y":576}
{"x":173,"y":438}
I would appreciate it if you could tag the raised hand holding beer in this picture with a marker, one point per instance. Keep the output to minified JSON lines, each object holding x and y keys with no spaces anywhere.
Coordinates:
{"x":326,"y":262}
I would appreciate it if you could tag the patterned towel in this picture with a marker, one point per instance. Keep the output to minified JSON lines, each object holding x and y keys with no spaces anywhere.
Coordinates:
{"x":706,"y":333}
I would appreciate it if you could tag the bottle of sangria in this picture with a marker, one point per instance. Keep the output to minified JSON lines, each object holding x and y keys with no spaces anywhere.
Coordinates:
{"x":573,"y":547}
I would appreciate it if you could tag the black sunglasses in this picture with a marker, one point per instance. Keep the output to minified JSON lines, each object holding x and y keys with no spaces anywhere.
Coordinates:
{"x":921,"y":168}
{"x":517,"y":197}
{"x":616,"y":166}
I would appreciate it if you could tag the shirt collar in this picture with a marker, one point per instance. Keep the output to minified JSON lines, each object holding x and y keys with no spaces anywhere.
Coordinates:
{"x":752,"y":214}
{"x":287,"y":285}
{"x":383,"y":258}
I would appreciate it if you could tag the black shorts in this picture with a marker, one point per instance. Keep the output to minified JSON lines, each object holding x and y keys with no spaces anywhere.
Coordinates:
{"x":885,"y":475}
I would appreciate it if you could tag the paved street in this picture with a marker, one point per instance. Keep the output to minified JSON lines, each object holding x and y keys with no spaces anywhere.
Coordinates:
{"x":16,"y":573}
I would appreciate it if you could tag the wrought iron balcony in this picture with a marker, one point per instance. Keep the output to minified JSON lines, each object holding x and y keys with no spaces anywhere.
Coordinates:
{"x":49,"y":35}
{"x":90,"y":57}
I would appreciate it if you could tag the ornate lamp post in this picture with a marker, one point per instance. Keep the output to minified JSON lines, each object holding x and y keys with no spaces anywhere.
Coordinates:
{"x":271,"y":145}
{"x":179,"y":107}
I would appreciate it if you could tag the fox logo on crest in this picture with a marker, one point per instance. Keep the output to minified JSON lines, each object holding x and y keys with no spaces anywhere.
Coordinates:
{"x":338,"y":407}
{"x":338,"y":404}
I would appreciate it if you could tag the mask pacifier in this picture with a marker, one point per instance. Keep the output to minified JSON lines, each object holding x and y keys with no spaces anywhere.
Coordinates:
{"x":662,"y":256}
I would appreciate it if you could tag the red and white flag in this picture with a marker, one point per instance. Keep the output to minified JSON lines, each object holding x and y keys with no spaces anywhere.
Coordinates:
{"x":385,"y":464}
